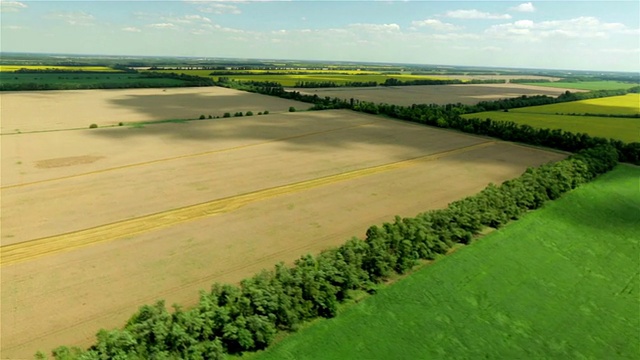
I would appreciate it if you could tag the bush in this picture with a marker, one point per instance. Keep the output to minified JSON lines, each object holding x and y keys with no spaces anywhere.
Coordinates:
{"x":93,"y":126}
{"x":266,"y":112}
{"x":249,"y":113}
{"x":202,"y":117}
{"x":226,"y":115}
{"x":239,"y":113}
{"x":120,"y":123}
{"x":210,"y":117}
{"x":292,"y":109}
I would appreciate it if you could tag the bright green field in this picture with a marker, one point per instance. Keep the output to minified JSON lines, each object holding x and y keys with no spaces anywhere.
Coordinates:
{"x":561,"y":283}
{"x":628,"y":104}
{"x":587,"y":85}
{"x":625,"y":129}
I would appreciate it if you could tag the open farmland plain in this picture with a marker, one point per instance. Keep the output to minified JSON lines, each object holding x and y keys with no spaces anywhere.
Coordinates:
{"x":527,"y":291}
{"x":612,"y":121}
{"x":434,"y":94}
{"x":96,"y":222}
{"x":68,"y":109}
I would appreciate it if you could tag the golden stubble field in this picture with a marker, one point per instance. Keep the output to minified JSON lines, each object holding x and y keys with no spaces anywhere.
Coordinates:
{"x":96,"y":222}
{"x":468,"y":94}
{"x":68,"y":109}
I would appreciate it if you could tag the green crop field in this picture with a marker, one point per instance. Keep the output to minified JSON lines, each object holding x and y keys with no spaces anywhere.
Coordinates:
{"x":587,"y":85}
{"x":561,"y":283}
{"x":628,"y":104}
{"x":625,"y":129}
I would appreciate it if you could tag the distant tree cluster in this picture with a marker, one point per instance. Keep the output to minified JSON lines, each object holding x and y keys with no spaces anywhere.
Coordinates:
{"x":232,"y":319}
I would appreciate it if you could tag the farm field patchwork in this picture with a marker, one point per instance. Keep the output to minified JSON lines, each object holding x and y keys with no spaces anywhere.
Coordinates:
{"x":341,"y":77}
{"x":118,"y":217}
{"x":556,"y":116}
{"x":628,"y":104}
{"x":588,"y":85}
{"x":561,"y":283}
{"x":434,"y":94}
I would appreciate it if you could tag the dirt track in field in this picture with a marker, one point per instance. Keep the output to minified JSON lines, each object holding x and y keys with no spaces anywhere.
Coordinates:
{"x":165,"y":210}
{"x":468,"y":94}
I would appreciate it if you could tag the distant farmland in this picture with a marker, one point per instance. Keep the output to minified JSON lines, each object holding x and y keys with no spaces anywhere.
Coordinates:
{"x":588,"y":85}
{"x":434,"y":94}
{"x":628,"y":104}
{"x":561,"y":283}
{"x":289,"y":78}
{"x":556,"y":116}
{"x":12,"y":68}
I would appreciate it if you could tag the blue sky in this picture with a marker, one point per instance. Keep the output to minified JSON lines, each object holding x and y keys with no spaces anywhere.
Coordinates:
{"x":591,"y":35}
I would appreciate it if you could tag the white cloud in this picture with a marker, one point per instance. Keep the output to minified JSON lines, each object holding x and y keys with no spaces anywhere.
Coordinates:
{"x":435,"y":24}
{"x":13,"y":27}
{"x":187,"y":19}
{"x":582,"y":27}
{"x":214,"y":7}
{"x":73,"y":18}
{"x":376,"y":27}
{"x":162,"y":26}
{"x":131,"y":29}
{"x":11,"y":6}
{"x":524,"y":7}
{"x":474,"y":14}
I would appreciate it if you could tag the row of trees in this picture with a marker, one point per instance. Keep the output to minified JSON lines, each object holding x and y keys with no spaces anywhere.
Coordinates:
{"x":397,"y":82}
{"x":449,"y":116}
{"x":232,"y":319}
{"x":328,"y":84}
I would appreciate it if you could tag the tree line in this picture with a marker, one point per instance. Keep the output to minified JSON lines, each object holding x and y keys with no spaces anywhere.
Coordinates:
{"x":103,"y":80}
{"x":449,"y":116}
{"x":397,"y":82}
{"x":233,"y":319}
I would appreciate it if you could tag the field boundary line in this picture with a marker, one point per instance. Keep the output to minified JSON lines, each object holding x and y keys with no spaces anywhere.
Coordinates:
{"x":180,"y":157}
{"x":32,"y":249}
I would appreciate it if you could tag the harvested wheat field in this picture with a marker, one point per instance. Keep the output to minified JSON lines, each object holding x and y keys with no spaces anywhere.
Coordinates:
{"x":68,"y":109}
{"x":97,"y":222}
{"x":468,"y":94}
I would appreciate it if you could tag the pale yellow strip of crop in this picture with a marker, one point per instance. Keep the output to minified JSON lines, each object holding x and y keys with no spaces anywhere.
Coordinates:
{"x":33,"y":249}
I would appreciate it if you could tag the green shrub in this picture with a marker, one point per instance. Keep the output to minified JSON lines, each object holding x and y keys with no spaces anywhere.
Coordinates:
{"x":249,"y":113}
{"x":202,"y":117}
{"x":226,"y":115}
{"x":292,"y":109}
{"x":93,"y":126}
